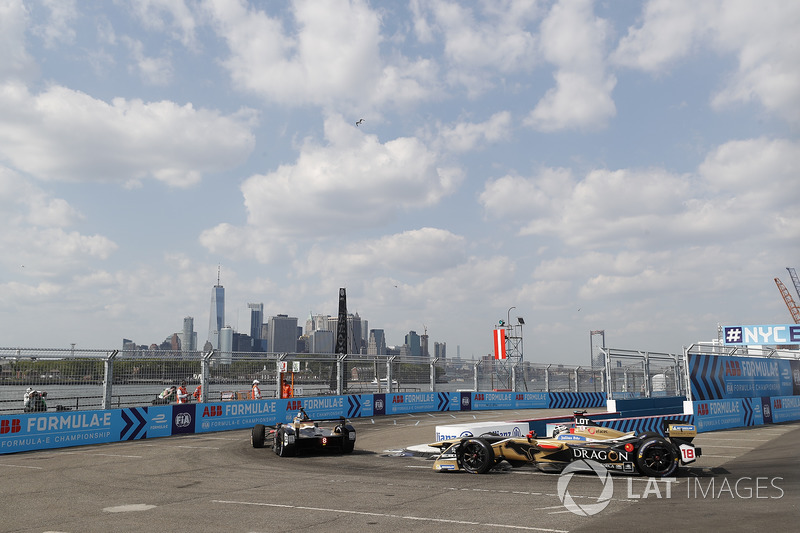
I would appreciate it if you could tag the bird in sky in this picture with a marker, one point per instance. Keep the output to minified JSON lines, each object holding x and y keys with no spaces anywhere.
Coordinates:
{"x":360,"y":121}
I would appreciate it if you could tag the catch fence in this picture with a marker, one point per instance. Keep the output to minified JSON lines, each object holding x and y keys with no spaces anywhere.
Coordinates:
{"x":104,"y":379}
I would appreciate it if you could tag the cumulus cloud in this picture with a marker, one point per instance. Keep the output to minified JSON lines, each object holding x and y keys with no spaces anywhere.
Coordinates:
{"x":153,"y":70}
{"x":768,"y":68}
{"x":574,"y":40}
{"x":496,"y":39}
{"x":172,"y":16}
{"x":465,"y":136}
{"x":425,"y":250}
{"x":669,"y":30}
{"x":742,"y":185}
{"x":57,"y":28}
{"x":319,"y":54}
{"x":36,"y":234}
{"x":15,"y":61}
{"x":351,"y":181}
{"x":63,"y":134}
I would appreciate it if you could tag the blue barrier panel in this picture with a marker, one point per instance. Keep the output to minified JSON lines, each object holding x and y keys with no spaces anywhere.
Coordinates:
{"x":508,"y":400}
{"x":647,"y":423}
{"x":715,"y":377}
{"x":785,"y":408}
{"x":711,"y":415}
{"x":564,"y":400}
{"x":647,"y":406}
{"x":37,"y":431}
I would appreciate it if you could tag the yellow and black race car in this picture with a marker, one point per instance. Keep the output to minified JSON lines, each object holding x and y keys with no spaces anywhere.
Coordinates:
{"x":303,"y":434}
{"x":648,"y":453}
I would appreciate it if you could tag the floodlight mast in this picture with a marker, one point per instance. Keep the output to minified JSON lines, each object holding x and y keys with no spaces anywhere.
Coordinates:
{"x":511,"y":365}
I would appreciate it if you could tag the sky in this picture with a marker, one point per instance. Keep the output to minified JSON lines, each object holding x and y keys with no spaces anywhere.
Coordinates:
{"x":623,"y":166}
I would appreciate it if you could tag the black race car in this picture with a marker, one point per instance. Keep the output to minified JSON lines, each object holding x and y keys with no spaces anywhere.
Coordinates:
{"x":303,"y":434}
{"x":646,"y":453}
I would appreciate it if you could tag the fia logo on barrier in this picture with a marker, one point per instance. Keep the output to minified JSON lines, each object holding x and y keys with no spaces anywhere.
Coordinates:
{"x":586,"y":509}
{"x":183,"y":420}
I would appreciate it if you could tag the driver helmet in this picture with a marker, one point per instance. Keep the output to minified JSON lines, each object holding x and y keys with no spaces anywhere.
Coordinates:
{"x":256,"y":382}
{"x":29,"y":390}
{"x":560,"y":429}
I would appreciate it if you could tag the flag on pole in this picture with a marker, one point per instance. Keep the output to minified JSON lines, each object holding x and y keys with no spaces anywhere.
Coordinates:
{"x":500,"y":344}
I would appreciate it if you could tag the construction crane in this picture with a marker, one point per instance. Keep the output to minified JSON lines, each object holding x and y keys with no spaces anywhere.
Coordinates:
{"x":796,"y":281}
{"x":789,"y":301}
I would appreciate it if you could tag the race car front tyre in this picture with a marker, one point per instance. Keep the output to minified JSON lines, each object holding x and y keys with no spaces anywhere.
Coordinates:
{"x":282,"y":446}
{"x":657,"y":458}
{"x":257,"y":436}
{"x":476,"y":456}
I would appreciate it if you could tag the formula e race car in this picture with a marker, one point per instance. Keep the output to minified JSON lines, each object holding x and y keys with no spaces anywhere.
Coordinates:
{"x":648,"y":453}
{"x":303,"y":434}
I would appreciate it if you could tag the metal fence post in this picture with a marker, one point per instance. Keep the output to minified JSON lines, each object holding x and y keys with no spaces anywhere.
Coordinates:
{"x":514,"y":378}
{"x":205,"y":364}
{"x":475,"y":376}
{"x":547,"y":378}
{"x":609,"y":380}
{"x":340,"y":373}
{"x":389,"y":361}
{"x":646,"y":383}
{"x":685,"y":374}
{"x":433,"y":374}
{"x":577,"y":380}
{"x":108,"y":378}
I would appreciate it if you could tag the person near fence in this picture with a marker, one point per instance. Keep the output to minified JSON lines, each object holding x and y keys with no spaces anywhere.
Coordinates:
{"x":255,"y":393}
{"x":198,"y":393}
{"x":182,"y":393}
{"x":166,"y":396}
{"x":33,"y":401}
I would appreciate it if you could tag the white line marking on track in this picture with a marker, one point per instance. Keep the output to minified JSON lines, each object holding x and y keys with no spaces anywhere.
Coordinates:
{"x":720,"y":456}
{"x":104,"y":454}
{"x":736,"y":440}
{"x":22,"y":466}
{"x":726,"y":446}
{"x":388,"y":515}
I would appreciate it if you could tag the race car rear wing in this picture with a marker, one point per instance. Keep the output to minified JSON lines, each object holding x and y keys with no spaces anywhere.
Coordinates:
{"x":677,"y":430}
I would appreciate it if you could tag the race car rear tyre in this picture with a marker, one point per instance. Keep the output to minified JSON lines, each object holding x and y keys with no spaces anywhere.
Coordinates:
{"x":657,"y":457}
{"x":257,"y":436}
{"x":347,"y":444}
{"x":281,"y":447}
{"x":476,"y":456}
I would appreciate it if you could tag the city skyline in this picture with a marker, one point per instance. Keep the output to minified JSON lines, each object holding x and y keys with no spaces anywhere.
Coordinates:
{"x":619,"y":166}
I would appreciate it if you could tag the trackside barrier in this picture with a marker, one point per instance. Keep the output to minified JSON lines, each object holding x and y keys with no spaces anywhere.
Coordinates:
{"x":647,"y":406}
{"x":35,"y":431}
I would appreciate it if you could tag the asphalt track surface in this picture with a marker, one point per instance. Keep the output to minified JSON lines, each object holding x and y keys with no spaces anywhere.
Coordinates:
{"x":747,"y":479}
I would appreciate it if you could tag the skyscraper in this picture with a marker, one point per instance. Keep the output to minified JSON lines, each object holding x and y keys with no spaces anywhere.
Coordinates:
{"x":412,"y":341}
{"x":377,"y":342}
{"x":440,"y":350}
{"x":188,"y":336}
{"x":225,"y":336}
{"x":256,"y":321}
{"x":282,"y":334}
{"x":216,"y":319}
